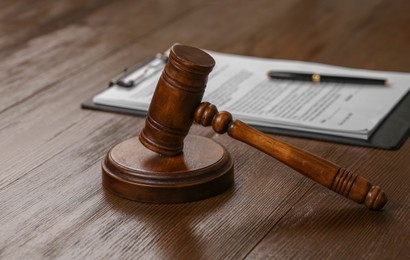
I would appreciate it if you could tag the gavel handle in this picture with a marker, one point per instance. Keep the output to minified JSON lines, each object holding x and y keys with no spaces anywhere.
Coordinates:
{"x":330,"y":175}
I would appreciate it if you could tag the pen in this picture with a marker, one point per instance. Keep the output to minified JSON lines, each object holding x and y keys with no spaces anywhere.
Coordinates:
{"x":318,"y":78}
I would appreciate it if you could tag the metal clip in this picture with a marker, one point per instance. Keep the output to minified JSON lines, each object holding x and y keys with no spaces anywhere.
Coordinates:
{"x":125,"y":80}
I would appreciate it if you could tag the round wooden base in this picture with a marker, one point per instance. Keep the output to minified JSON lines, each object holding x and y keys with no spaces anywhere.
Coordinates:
{"x":132,"y":171}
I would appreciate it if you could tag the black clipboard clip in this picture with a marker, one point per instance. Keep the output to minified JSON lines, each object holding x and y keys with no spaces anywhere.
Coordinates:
{"x":126,"y":79}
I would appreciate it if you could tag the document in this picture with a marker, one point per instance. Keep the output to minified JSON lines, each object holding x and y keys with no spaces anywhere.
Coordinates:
{"x":239,"y":84}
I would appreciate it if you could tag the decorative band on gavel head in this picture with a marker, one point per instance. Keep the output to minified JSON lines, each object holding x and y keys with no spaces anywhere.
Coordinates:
{"x":178,"y":93}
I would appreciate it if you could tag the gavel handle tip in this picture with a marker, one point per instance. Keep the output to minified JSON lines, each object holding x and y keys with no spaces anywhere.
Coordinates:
{"x":376,"y":198}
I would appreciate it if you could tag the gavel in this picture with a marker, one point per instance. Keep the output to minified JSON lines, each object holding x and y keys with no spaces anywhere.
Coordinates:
{"x":166,"y":165}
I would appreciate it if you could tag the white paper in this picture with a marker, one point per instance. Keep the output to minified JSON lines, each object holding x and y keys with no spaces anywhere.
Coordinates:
{"x":239,"y":84}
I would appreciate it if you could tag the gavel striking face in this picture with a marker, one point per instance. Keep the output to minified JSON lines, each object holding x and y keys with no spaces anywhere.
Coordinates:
{"x":177,"y":102}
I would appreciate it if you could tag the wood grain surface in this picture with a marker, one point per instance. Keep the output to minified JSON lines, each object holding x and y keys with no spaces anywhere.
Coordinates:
{"x":56,"y":54}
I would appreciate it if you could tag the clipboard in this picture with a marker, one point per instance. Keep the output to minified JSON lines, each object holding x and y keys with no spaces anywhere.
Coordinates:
{"x":389,"y":135}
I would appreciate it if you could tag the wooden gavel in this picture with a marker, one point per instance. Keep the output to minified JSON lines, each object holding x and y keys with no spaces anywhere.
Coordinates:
{"x":175,"y":104}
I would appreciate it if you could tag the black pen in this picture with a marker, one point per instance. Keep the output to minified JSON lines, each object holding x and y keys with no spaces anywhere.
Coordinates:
{"x":318,"y":78}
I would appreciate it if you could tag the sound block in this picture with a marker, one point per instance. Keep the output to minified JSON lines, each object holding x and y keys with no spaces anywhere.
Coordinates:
{"x":132,"y":171}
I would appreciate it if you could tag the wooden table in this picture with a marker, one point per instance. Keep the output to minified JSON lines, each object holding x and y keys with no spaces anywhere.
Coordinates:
{"x":56,"y":54}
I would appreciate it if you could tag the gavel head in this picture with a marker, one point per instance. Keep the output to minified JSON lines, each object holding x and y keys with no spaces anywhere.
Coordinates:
{"x":178,"y":93}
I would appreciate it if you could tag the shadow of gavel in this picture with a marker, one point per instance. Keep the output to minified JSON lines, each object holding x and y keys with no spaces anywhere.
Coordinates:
{"x":176,"y":171}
